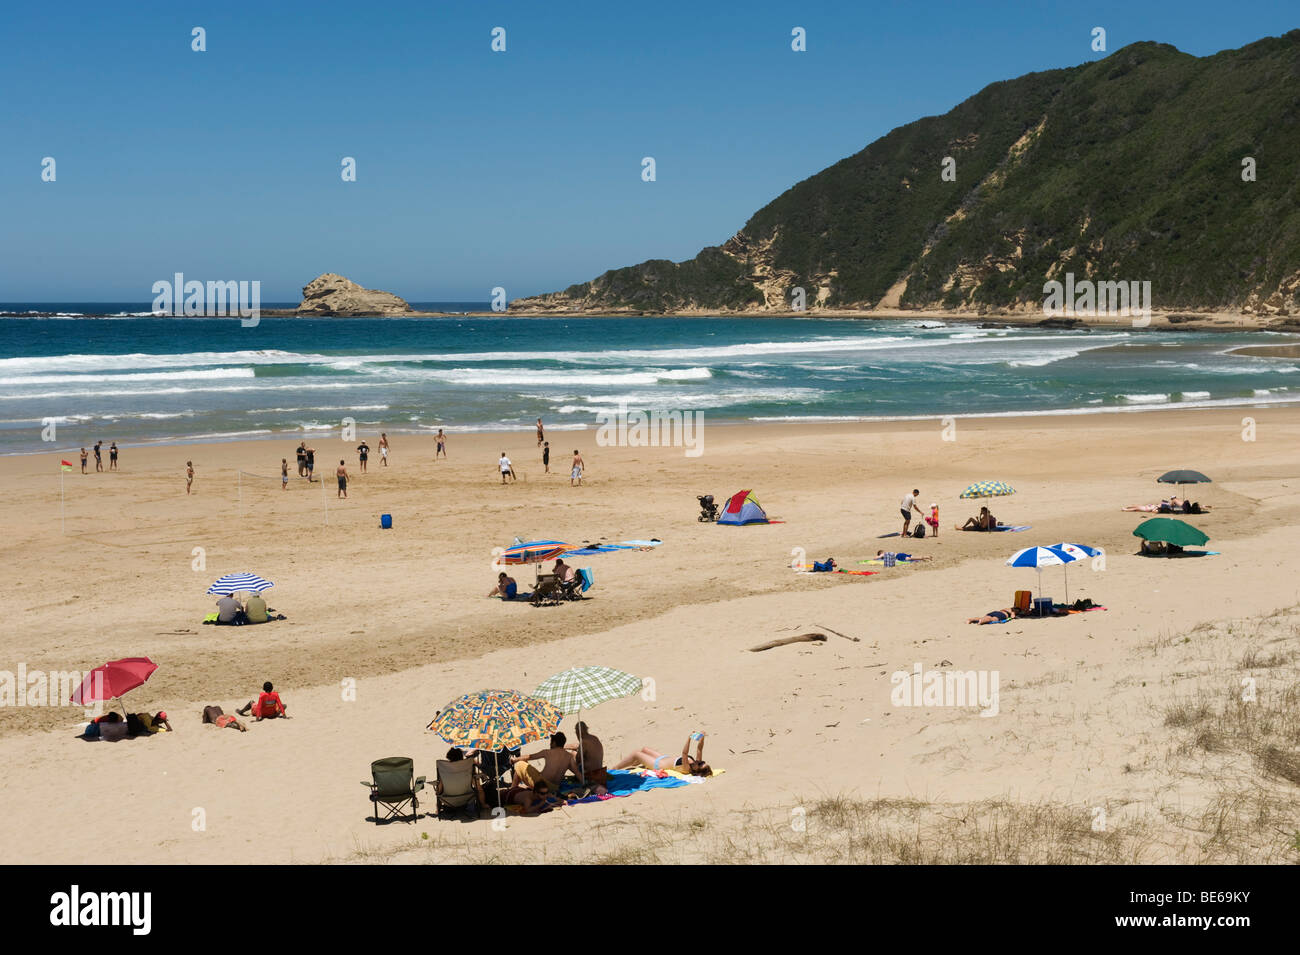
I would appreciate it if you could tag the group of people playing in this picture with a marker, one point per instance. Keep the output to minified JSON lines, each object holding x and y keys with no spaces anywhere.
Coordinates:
{"x":576,"y":467}
{"x":99,"y":457}
{"x":537,"y":778}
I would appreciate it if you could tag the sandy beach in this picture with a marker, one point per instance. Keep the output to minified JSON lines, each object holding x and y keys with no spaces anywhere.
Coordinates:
{"x":803,"y":732}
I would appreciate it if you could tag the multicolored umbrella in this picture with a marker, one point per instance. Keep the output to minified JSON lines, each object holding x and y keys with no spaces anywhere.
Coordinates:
{"x":238,"y":583}
{"x":581,"y":688}
{"x":496,"y":719}
{"x":113,"y":679}
{"x":1171,"y":531}
{"x":988,"y":489}
{"x":532,"y":552}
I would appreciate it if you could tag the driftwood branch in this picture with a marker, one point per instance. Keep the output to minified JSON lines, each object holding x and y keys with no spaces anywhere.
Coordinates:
{"x":798,"y":638}
{"x":837,"y":633}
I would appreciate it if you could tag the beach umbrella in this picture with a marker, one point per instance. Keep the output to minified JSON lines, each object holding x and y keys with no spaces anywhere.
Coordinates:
{"x":1171,"y":531}
{"x":1038,"y":558}
{"x":1078,"y":552}
{"x":113,"y":679}
{"x":1183,"y":477}
{"x":236,"y":583}
{"x":582,"y":688}
{"x":988,"y":489}
{"x":496,"y":719}
{"x":532,"y":552}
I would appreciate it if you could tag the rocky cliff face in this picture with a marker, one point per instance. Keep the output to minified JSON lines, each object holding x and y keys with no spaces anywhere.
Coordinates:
{"x":1147,"y":165}
{"x":332,"y":294}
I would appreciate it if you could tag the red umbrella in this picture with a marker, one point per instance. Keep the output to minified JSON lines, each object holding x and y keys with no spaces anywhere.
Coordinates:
{"x":114,"y":678}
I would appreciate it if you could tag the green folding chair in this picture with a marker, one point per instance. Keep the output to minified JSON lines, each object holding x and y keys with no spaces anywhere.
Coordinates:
{"x":394,"y":785}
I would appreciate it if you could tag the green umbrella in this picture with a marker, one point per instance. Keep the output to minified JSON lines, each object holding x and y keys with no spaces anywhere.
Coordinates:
{"x":582,"y":688}
{"x":1171,"y":532}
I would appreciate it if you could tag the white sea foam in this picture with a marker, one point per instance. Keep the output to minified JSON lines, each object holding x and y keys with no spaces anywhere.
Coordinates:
{"x":1144,"y":399}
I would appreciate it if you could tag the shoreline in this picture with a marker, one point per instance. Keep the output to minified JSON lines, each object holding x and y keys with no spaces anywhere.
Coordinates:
{"x":222,"y":439}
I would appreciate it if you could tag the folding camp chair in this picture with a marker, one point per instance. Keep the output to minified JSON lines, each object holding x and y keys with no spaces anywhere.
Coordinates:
{"x":455,"y":787}
{"x":394,"y":785}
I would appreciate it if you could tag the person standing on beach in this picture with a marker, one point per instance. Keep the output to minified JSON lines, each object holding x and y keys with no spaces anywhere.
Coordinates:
{"x":363,"y":452}
{"x":575,"y":473}
{"x":546,"y":456}
{"x":310,"y":460}
{"x":907,"y":505}
{"x":99,"y":456}
{"x":302,"y":458}
{"x":189,"y":475}
{"x":506,"y":468}
{"x":442,"y":445}
{"x":341,"y":472}
{"x":383,"y":448}
{"x":284,"y":474}
{"x":84,"y":456}
{"x":112,"y":456}
{"x":541,"y":433}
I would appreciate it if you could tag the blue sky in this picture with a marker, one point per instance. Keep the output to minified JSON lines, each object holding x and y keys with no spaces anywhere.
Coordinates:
{"x":474,"y":169}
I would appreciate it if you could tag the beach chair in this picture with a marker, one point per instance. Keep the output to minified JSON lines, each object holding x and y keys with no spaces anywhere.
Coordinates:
{"x":455,"y":788}
{"x":393,"y":785}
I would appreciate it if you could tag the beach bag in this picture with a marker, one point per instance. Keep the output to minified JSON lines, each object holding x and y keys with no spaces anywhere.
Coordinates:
{"x":386,"y":521}
{"x":919,"y":531}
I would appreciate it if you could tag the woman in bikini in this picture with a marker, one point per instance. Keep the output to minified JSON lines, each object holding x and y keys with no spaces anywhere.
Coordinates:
{"x":996,"y":616}
{"x":650,"y":759}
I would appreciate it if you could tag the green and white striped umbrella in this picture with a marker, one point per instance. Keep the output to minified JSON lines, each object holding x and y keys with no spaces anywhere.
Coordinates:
{"x":584,"y":687}
{"x":988,"y":489}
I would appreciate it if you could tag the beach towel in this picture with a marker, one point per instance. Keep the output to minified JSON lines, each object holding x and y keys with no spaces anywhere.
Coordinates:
{"x":653,"y":542}
{"x":859,"y":573}
{"x":1016,"y":528}
{"x":211,"y":618}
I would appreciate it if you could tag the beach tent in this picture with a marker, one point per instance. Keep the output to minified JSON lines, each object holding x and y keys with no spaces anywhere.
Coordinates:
{"x":742,"y":508}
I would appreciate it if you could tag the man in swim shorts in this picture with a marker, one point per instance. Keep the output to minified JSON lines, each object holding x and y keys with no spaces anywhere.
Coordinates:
{"x":907,"y":505}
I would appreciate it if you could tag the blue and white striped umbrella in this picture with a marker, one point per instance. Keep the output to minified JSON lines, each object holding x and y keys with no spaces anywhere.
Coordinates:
{"x":235,"y":583}
{"x":1038,"y":558}
{"x":1078,"y":552}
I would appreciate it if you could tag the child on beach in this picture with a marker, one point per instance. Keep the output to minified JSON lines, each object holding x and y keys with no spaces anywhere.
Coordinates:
{"x":933,"y":520}
{"x":215,"y":715}
{"x":442,"y":446}
{"x":83,"y":460}
{"x":383,"y":449}
{"x":284,"y":474}
{"x":268,"y":705}
{"x":546,"y":456}
{"x":575,"y":474}
{"x":341,"y":472}
{"x":189,"y":475}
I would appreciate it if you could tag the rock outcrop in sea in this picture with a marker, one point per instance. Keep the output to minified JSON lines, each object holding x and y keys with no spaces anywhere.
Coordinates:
{"x":334,"y":295}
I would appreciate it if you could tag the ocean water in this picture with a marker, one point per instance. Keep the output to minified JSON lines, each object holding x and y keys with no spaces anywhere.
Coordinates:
{"x":135,"y":379}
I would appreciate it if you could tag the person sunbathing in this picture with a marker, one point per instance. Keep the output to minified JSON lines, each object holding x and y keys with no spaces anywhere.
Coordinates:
{"x":215,"y":715}
{"x":905,"y":558}
{"x":650,"y":759}
{"x":996,"y":616}
{"x":984,"y":521}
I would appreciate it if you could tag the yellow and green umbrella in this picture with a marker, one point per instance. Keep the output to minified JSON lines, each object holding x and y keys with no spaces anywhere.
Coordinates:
{"x":495,"y":720}
{"x":988,"y":489}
